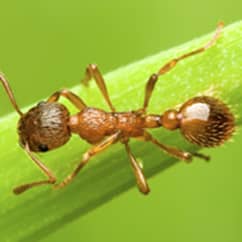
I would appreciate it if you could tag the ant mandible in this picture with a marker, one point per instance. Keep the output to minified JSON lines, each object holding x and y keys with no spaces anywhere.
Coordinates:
{"x":203,"y":120}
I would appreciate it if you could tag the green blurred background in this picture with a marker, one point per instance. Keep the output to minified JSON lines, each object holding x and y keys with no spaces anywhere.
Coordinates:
{"x":46,"y":45}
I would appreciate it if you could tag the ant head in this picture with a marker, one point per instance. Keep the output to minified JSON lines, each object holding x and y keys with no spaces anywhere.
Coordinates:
{"x":44,"y":127}
{"x":206,"y":121}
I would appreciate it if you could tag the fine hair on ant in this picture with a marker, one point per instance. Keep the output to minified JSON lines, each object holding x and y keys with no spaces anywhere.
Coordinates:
{"x":203,"y":120}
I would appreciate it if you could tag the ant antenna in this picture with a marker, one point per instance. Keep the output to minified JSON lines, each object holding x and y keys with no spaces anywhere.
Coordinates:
{"x":10,"y":93}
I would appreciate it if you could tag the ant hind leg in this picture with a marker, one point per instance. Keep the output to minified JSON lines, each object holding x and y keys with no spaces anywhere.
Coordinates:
{"x":172,"y":63}
{"x":180,"y":154}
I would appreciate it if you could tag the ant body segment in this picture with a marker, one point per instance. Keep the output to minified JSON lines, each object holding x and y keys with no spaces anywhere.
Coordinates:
{"x":203,"y":120}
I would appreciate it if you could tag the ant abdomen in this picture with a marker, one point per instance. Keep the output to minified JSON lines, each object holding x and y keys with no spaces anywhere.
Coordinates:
{"x":206,"y":121}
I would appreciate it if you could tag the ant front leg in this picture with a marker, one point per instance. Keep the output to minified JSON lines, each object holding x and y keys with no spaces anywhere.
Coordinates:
{"x":88,"y":155}
{"x":92,"y":71}
{"x":73,"y":98}
{"x":20,"y":189}
{"x":172,"y":63}
{"x":180,"y":154}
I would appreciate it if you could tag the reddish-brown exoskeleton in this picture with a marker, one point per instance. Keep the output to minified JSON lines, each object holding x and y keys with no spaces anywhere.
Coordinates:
{"x":203,"y":120}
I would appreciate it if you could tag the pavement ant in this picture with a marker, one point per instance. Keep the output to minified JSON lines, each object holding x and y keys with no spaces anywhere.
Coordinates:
{"x":203,"y":120}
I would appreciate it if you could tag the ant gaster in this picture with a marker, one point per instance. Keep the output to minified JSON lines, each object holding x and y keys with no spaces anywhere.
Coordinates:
{"x":203,"y":120}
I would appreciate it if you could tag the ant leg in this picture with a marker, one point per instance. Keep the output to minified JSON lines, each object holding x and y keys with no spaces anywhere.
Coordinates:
{"x":92,"y":71}
{"x":87,"y":156}
{"x":73,"y":98}
{"x":201,"y":156}
{"x":148,"y":90}
{"x":172,"y":63}
{"x":140,"y":178}
{"x":184,"y":155}
{"x":20,"y":189}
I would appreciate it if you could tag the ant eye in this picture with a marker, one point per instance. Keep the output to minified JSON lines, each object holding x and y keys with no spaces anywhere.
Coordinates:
{"x":43,"y":148}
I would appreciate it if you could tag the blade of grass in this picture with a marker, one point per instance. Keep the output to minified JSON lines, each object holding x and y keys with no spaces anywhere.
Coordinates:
{"x":217,"y":72}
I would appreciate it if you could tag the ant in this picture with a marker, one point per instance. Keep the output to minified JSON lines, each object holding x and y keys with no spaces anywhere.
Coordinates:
{"x":203,"y":120}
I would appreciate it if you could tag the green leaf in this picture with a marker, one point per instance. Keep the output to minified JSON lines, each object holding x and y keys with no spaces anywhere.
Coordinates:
{"x":40,"y":211}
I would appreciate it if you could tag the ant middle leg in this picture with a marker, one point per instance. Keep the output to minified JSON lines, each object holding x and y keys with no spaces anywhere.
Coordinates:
{"x":87,"y":156}
{"x":180,"y":154}
{"x":172,"y":63}
{"x":20,"y":189}
{"x":73,"y":98}
{"x":140,"y":178}
{"x":92,"y":71}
